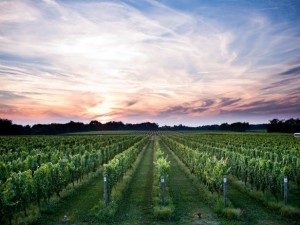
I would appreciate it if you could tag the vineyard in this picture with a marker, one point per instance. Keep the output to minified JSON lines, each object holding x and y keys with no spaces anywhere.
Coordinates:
{"x":150,"y":177}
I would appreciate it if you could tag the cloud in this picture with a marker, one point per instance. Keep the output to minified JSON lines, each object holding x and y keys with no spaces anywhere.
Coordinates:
{"x":282,"y":107}
{"x":118,"y":60}
{"x":200,"y":107}
{"x":228,"y":101}
{"x":14,"y":12}
{"x":7,"y":110}
{"x":293,"y":71}
{"x":131,"y":103}
{"x":9,"y":96}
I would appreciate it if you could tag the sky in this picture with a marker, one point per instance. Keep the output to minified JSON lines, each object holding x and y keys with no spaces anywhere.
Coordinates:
{"x":191,"y":62}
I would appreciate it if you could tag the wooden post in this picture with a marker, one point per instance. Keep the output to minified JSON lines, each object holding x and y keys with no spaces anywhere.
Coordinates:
{"x":105,"y":191}
{"x":285,"y":184}
{"x":225,"y":190}
{"x":163,"y":190}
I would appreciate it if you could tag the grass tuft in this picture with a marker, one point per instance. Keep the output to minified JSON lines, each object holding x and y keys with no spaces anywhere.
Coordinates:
{"x":290,"y":212}
{"x":163,"y":212}
{"x":232,"y":213}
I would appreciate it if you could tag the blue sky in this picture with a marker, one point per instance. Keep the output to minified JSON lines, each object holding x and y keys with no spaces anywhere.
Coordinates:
{"x":171,"y":62}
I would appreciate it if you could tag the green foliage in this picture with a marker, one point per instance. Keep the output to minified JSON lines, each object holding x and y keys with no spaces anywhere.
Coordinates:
{"x":115,"y":169}
{"x":162,"y":166}
{"x":163,"y":212}
{"x":201,"y":164}
{"x":232,"y":213}
{"x":260,"y":160}
{"x":212,"y":198}
{"x":290,"y":212}
{"x":117,"y":193}
{"x":32,"y":169}
{"x":3,"y":172}
{"x":161,"y":169}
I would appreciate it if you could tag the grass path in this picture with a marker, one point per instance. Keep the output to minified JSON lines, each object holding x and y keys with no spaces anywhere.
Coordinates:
{"x":76,"y":205}
{"x":256,"y":213}
{"x":186,"y":198}
{"x":136,"y":207}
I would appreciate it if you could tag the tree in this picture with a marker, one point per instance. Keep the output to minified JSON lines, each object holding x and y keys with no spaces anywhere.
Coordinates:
{"x":6,"y":127}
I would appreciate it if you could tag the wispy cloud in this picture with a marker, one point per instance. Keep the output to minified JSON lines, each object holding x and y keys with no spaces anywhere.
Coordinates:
{"x":144,"y":60}
{"x":293,"y":71}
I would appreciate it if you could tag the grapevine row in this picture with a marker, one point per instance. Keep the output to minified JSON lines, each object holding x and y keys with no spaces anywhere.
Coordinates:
{"x":201,"y":164}
{"x":264,"y":174}
{"x":115,"y":169}
{"x":19,"y":189}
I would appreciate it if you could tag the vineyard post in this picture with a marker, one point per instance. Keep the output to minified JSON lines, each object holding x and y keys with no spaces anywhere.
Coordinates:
{"x":163,"y":190}
{"x":224,"y":190}
{"x":285,"y":180}
{"x":105,"y":191}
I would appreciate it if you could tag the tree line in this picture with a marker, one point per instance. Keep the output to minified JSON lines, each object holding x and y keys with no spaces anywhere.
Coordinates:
{"x":286,"y":126}
{"x":238,"y":126}
{"x":8,"y":128}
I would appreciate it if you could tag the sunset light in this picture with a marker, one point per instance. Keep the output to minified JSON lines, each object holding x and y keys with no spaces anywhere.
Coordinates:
{"x":171,"y":62}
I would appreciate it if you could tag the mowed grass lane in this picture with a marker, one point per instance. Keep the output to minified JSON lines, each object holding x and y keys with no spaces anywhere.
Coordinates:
{"x":186,"y":198}
{"x":255,"y":212}
{"x":136,"y":207}
{"x":76,"y":205}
